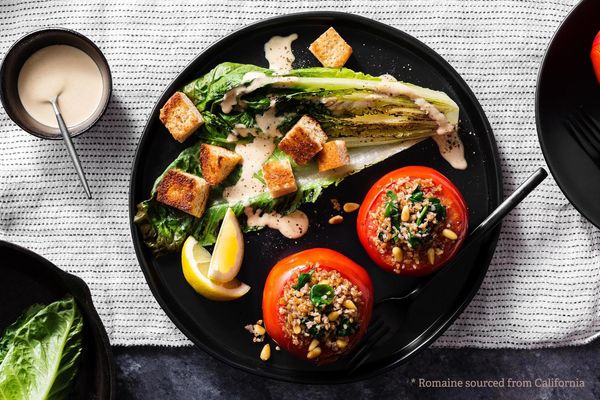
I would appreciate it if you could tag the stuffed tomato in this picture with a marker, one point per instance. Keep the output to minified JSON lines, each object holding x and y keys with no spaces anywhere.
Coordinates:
{"x":412,"y":221}
{"x":595,"y":56}
{"x":317,"y":304}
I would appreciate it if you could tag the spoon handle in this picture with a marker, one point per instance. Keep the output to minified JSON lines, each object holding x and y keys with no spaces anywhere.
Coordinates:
{"x":70,"y":148}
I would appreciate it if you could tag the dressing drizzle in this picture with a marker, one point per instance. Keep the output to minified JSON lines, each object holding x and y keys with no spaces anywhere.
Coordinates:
{"x":278,"y":51}
{"x":292,"y":225}
{"x":254,"y":155}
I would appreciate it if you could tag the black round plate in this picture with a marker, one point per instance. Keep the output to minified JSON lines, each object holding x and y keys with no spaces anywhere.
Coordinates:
{"x":566,"y":83}
{"x":28,"y":279}
{"x":218,"y":328}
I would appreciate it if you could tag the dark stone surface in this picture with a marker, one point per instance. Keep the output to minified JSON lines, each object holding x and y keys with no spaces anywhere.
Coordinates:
{"x":188,"y":373}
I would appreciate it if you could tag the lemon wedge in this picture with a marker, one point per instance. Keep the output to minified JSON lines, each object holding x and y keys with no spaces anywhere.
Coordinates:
{"x":195,"y":260}
{"x":229,"y":250}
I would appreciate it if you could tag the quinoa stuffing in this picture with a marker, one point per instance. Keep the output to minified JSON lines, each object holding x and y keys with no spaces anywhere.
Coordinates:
{"x":412,"y":224}
{"x":320,"y":311}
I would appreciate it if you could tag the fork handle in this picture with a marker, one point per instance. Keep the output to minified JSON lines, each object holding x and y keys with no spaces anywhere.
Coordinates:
{"x":484,"y":227}
{"x":509,"y":204}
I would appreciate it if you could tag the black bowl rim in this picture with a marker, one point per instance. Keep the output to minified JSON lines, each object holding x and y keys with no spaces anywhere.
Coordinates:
{"x":494,"y":235}
{"x":86,"y":302}
{"x":41,"y":31}
{"x":543,"y":144}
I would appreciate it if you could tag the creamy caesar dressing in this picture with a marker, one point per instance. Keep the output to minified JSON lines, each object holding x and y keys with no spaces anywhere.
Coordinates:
{"x":269,"y":121}
{"x":243,"y":131}
{"x":250,"y":82}
{"x":292,"y":225}
{"x":278,"y":51}
{"x":267,"y":126}
{"x":400,"y":89}
{"x":388,"y":78}
{"x":63,"y":71}
{"x":230,"y":98}
{"x":452,"y":149}
{"x":447,"y":139}
{"x":444,"y":126}
{"x":254,"y":155}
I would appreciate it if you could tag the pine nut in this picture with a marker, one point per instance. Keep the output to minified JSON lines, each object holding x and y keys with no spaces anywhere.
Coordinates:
{"x":265,"y":354}
{"x":405,"y":215}
{"x":397,"y":253}
{"x":333,"y":315}
{"x":313,"y":345}
{"x":324,"y":282}
{"x":349,"y":304}
{"x":297,"y":329}
{"x":336,"y":219}
{"x":259,"y":330}
{"x":316,"y":352}
{"x":351,"y":207}
{"x":449,"y":234}
{"x":431,"y":255}
{"x":341,"y":343}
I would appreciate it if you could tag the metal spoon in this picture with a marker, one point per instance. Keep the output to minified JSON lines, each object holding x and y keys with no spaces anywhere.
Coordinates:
{"x":70,"y":148}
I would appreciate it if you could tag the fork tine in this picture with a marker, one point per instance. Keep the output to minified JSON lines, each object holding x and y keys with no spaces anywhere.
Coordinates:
{"x":575,"y":130}
{"x":362,"y":355}
{"x":584,"y":133}
{"x":592,"y":127}
{"x":375,"y":326}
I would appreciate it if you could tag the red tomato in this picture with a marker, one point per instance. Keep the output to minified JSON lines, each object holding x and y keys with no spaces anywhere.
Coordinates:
{"x":595,"y":55}
{"x":286,"y":270}
{"x":456,"y":216}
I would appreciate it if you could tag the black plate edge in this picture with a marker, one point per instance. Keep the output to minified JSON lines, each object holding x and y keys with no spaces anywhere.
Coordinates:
{"x":543,"y":144}
{"x":494,"y":235}
{"x":82,"y":294}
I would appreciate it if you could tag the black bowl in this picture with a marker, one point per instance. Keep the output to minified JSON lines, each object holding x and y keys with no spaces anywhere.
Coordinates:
{"x":565,"y":84}
{"x":27,"y":279}
{"x":21,"y":51}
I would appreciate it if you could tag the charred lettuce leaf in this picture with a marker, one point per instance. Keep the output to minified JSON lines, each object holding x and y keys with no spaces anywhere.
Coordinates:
{"x":345,"y":102}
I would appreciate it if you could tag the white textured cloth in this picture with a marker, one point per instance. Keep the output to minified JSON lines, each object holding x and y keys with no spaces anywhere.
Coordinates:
{"x":543,"y":287}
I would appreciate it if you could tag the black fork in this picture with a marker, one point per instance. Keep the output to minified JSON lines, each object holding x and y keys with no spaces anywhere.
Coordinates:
{"x":378,"y":328}
{"x":586,"y":132}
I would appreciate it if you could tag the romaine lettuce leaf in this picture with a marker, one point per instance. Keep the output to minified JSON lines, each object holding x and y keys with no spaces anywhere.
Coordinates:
{"x":376,"y":116}
{"x":164,"y":229}
{"x":40,"y":352}
{"x":212,"y":87}
{"x":345,"y":102}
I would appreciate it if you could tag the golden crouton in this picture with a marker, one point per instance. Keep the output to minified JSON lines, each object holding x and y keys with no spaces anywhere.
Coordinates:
{"x":279,"y":178}
{"x":304,"y":140}
{"x":180,"y":116}
{"x":217,"y":163}
{"x":333,"y":155}
{"x":330,"y":49}
{"x":184,"y":191}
